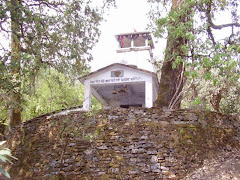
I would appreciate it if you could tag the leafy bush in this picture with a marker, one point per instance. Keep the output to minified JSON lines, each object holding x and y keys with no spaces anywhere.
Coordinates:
{"x":5,"y":155}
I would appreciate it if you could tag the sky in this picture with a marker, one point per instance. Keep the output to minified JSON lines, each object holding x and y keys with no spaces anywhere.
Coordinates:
{"x":129,"y":15}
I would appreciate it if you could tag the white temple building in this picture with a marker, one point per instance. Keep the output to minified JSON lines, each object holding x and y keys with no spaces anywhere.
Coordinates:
{"x":125,"y":84}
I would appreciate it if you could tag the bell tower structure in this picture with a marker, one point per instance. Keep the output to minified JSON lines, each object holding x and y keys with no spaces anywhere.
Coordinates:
{"x":136,"y":49}
{"x":133,"y":83}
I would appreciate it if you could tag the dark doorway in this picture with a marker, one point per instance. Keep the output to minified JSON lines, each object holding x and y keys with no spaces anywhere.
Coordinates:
{"x":131,"y":105}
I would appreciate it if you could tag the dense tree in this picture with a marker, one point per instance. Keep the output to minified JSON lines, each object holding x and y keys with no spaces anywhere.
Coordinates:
{"x":171,"y":82}
{"x":52,"y":91}
{"x":200,"y":44}
{"x":44,"y":33}
{"x":220,"y":94}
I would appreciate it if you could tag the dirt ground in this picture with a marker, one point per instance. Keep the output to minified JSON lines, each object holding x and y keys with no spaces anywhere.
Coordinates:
{"x":224,"y":166}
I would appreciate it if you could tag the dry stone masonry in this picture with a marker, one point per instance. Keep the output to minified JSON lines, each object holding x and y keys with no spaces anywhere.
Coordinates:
{"x":134,"y":143}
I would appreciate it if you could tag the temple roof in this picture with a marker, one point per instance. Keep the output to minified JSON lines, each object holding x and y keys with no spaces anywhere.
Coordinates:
{"x":116,"y":64}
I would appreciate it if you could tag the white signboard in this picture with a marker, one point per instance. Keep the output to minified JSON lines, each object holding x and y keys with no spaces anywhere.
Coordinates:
{"x":115,"y":80}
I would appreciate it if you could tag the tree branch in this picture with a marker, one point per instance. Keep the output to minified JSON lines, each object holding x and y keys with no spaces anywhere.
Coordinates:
{"x":210,"y":21}
{"x":41,"y":2}
{"x":210,"y":34}
{"x":3,"y":29}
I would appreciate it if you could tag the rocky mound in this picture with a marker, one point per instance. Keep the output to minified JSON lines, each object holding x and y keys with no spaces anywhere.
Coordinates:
{"x":225,"y":165}
{"x":135,"y":143}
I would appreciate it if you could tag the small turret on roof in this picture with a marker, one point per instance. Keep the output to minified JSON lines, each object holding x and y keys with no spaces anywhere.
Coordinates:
{"x":135,"y":41}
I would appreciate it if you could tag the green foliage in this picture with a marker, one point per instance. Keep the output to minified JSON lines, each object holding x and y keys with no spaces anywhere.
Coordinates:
{"x":57,"y":34}
{"x":207,"y":89}
{"x":3,"y":109}
{"x":96,"y":105}
{"x":52,"y":91}
{"x":5,"y":155}
{"x":196,"y":101}
{"x":211,"y":54}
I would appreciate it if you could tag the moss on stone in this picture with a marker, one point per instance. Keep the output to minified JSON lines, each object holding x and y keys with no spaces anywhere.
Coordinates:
{"x":120,"y":144}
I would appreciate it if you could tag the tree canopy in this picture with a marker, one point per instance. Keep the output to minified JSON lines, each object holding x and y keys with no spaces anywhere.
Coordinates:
{"x":45,"y":33}
{"x":211,"y":57}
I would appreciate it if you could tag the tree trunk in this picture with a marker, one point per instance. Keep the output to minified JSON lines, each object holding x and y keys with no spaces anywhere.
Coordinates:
{"x":15,"y":92}
{"x":170,"y":87}
{"x":215,"y":100}
{"x":171,"y":81}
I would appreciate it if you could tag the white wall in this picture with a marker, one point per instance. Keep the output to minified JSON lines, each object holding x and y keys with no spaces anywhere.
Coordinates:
{"x":132,"y":76}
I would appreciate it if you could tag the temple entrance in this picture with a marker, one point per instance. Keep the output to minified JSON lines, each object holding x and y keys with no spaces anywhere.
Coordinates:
{"x":133,"y":105}
{"x":123,"y":85}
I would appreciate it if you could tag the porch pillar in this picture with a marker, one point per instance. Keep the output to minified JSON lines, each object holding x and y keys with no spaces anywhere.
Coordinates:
{"x":148,"y":94}
{"x":87,"y":96}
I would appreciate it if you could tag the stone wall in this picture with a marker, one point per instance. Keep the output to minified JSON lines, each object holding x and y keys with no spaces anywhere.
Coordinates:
{"x":133,"y":143}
